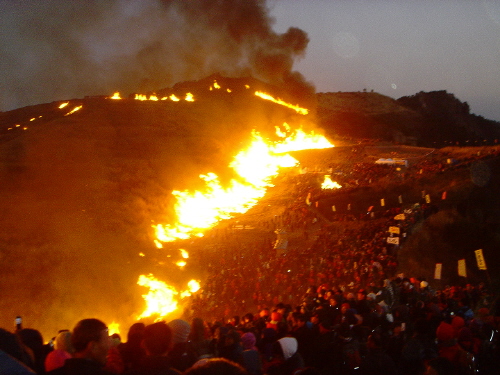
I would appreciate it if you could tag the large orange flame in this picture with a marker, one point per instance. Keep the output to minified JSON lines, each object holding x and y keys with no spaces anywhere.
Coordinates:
{"x":198,"y":211}
{"x":163,"y":299}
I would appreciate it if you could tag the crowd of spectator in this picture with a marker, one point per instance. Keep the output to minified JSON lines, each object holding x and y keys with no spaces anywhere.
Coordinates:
{"x":403,"y":327}
{"x":335,"y":305}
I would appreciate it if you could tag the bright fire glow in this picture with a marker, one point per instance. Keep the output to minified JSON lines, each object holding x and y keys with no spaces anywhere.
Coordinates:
{"x":74,"y":110}
{"x":216,"y":85}
{"x":116,"y":95}
{"x":62,"y":105}
{"x":194,"y":286}
{"x":140,"y":97}
{"x":198,"y":211}
{"x":184,"y":253}
{"x":161,"y":299}
{"x":189,"y":97}
{"x":296,"y":108}
{"x":174,"y":98}
{"x":329,"y":184}
{"x":181,"y":263}
{"x":113,"y":328}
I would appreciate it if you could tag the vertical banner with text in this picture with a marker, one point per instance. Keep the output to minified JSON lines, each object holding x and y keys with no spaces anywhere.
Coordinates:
{"x":481,"y":263}
{"x":437,"y":271}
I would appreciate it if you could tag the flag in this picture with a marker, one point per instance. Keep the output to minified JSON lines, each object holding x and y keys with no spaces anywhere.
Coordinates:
{"x":461,"y":268}
{"x":393,"y":240}
{"x":481,"y":263}
{"x":394,"y":230}
{"x":437,"y":271}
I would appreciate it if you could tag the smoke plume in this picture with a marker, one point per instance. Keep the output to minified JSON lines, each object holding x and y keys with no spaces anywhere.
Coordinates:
{"x":57,"y":49}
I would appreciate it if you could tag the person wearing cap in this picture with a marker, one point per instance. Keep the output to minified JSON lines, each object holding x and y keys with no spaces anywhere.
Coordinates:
{"x":287,"y":359}
{"x":90,"y":341}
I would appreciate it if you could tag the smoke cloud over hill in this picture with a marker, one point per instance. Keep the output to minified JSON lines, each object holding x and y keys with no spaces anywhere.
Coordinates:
{"x":54,"y":50}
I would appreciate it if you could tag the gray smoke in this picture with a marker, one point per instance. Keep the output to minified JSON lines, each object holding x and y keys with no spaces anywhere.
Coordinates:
{"x":58,"y":49}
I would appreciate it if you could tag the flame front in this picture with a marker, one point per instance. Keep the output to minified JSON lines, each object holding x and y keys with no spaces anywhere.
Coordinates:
{"x":198,"y":211}
{"x":329,"y":184}
{"x":161,"y":299}
{"x":296,"y":108}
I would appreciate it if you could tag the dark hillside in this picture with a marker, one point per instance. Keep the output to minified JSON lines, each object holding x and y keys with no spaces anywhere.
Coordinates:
{"x":433,"y":119}
{"x":80,"y":190}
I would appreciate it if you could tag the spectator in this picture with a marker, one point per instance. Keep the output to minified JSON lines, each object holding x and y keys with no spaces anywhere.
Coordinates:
{"x":132,"y":352}
{"x":182,"y":355}
{"x":63,"y":350}
{"x":90,"y":341}
{"x":157,"y":341}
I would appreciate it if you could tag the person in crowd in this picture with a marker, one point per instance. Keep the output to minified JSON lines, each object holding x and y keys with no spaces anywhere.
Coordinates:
{"x":157,"y":342}
{"x":33,"y":340}
{"x":90,"y":341}
{"x":63,"y":350}
{"x":114,"y":360}
{"x":13,"y":357}
{"x":287,"y":359}
{"x":230,"y":347}
{"x":215,"y":366}
{"x":377,"y":362}
{"x":132,"y":351}
{"x":182,"y":355}
{"x":198,"y":337}
{"x":251,"y":359}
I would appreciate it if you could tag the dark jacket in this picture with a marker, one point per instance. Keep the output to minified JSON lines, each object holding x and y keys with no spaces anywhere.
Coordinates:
{"x":80,"y":366}
{"x":154,"y":365}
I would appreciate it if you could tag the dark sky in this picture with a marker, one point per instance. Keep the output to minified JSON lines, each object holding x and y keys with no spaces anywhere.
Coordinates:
{"x":399,"y":48}
{"x":59,"y":49}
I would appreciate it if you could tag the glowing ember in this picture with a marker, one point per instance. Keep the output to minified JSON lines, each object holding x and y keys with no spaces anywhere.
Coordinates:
{"x":216,"y":85}
{"x":62,"y":105}
{"x":189,"y":97}
{"x":198,"y":211}
{"x":160,"y":300}
{"x":33,"y":119}
{"x":113,"y":328}
{"x":296,"y":108}
{"x":329,"y":184}
{"x":184,"y":253}
{"x":74,"y":110}
{"x":116,"y":95}
{"x":194,"y":286}
{"x":181,"y":263}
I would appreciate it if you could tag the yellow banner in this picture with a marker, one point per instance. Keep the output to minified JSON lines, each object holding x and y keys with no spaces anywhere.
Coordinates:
{"x":437,"y":271}
{"x":394,"y":230}
{"x":461,"y":268}
{"x":481,"y":263}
